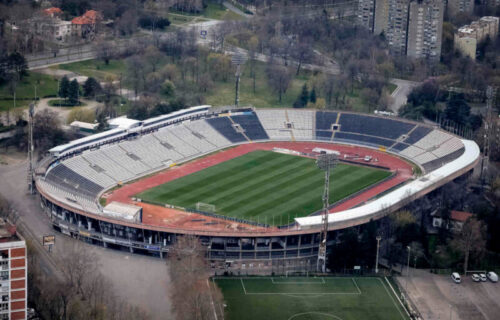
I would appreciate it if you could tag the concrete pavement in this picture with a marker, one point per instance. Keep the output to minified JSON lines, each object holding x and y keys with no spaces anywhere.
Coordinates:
{"x":141,"y":281}
{"x":400,"y":94}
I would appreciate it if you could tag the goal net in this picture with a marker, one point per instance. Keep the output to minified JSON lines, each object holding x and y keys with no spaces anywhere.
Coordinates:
{"x":205,"y":207}
{"x":296,"y":273}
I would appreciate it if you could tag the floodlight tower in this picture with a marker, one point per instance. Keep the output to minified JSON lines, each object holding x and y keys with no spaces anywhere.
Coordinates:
{"x":239,"y":58}
{"x":488,"y":132}
{"x":327,"y":163}
{"x":31,"y":176}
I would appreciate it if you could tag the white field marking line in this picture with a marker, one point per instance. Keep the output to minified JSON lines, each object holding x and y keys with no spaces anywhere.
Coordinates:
{"x":392,"y":299}
{"x":298,"y":282}
{"x":220,"y":307}
{"x":295,"y":293}
{"x":212,"y":300}
{"x":356,"y":284}
{"x":313,"y":312}
{"x":243,"y":285}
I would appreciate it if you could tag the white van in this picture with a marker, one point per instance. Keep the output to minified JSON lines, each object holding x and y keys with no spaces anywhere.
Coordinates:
{"x":456,"y":277}
{"x":492,"y":276}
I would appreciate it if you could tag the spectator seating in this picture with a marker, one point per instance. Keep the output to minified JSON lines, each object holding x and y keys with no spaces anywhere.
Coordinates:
{"x":250,"y":123}
{"x":224,"y":126}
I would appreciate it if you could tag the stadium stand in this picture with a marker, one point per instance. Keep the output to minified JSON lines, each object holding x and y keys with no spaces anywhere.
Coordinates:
{"x":78,"y":179}
{"x":251,"y":125}
{"x":224,"y":126}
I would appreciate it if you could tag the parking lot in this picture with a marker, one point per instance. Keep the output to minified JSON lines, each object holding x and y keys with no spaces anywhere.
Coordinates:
{"x":438,"y":297}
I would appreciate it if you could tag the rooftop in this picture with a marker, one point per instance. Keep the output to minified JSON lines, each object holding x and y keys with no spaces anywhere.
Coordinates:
{"x":460,"y":215}
{"x":7,"y":231}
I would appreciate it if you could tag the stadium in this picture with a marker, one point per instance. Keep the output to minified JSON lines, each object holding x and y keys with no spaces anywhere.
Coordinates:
{"x":243,"y":180}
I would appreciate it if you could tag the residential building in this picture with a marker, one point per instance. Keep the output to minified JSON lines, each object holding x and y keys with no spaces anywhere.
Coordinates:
{"x":425,"y":28}
{"x":366,"y":10}
{"x":396,"y":30}
{"x":455,"y":222}
{"x":455,"y":7}
{"x":86,"y":25}
{"x":13,"y":273}
{"x":412,"y":28}
{"x":469,"y":36}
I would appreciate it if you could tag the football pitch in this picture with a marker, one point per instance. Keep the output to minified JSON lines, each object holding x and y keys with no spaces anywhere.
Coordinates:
{"x":263,"y":186}
{"x":310,"y":298}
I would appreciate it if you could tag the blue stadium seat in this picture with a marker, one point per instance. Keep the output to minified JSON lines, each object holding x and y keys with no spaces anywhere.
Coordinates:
{"x":225,"y":127}
{"x":251,"y":124}
{"x":375,"y":126}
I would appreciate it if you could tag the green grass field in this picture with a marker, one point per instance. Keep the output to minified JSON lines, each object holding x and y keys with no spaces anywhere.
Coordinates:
{"x":311,"y":298}
{"x":263,"y":186}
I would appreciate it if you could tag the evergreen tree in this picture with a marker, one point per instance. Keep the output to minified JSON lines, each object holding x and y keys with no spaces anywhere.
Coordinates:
{"x":73,"y":91}
{"x":312,"y":97}
{"x":64,"y":87}
{"x":102,"y":122}
{"x":91,"y":87}
{"x":303,"y":98}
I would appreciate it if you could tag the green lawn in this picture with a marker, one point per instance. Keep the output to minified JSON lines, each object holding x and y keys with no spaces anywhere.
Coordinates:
{"x":264,"y":97}
{"x":263,"y":186}
{"x":25,"y":91}
{"x":310,"y":298}
{"x":96,"y":68}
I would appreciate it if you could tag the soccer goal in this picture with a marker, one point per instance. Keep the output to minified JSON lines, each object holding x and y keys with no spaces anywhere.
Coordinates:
{"x":205,"y":207}
{"x":296,"y":273}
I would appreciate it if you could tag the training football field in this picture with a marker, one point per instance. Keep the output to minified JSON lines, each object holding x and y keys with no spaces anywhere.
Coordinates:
{"x":264,"y":186}
{"x":310,"y":298}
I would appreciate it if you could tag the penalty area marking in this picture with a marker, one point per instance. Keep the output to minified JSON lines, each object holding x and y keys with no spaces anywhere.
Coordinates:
{"x":314,"y":312}
{"x":296,"y":294}
{"x":298,"y":282}
{"x":392,"y":299}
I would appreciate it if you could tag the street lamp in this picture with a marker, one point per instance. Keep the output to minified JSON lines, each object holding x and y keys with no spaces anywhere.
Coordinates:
{"x":408,"y":269}
{"x":378,"y":247}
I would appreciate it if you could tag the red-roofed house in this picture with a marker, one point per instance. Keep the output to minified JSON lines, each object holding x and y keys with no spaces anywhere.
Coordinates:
{"x":85,"y":26}
{"x":53,"y":12}
{"x":455,"y":223}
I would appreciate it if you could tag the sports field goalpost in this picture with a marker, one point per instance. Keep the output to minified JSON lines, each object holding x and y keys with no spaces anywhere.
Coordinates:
{"x":296,"y":273}
{"x":205,"y":207}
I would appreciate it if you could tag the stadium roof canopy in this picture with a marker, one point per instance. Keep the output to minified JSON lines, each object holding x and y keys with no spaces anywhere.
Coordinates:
{"x":371,"y":209}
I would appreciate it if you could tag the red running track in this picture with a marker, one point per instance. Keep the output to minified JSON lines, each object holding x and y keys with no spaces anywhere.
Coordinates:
{"x":402,"y":169}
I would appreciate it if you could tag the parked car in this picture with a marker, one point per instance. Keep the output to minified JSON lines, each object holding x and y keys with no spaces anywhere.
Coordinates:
{"x":483,"y":277}
{"x":492,"y":276}
{"x":456,"y":277}
{"x":476,"y":278}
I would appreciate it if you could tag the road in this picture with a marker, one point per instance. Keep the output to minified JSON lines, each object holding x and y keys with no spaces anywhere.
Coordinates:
{"x":140,"y":280}
{"x":400,"y":94}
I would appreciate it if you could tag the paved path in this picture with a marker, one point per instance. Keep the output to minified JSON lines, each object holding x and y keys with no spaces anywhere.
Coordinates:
{"x":236,"y":10}
{"x":140,"y":280}
{"x":400,"y":94}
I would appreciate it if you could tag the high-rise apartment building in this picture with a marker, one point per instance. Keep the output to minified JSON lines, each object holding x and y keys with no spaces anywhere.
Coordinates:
{"x":412,"y":28}
{"x":13,"y":274}
{"x":425,"y":27}
{"x":455,"y":7}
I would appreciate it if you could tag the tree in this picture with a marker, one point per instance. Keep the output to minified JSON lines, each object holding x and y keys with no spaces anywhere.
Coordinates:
{"x":312,"y":97}
{"x":73,"y":92}
{"x":168,"y":88}
{"x":470,"y":241}
{"x":303,"y":98}
{"x":279,"y":78}
{"x":192,"y":295}
{"x":457,"y":110}
{"x":17,"y":64}
{"x":81,"y":114}
{"x":64,"y":87}
{"x":91,"y":87}
{"x":102,"y":122}
{"x":105,"y":50}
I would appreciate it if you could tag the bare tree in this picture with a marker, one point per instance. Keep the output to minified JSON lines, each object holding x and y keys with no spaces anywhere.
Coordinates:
{"x":105,"y":50}
{"x":279,"y":78}
{"x":193,"y":298}
{"x":471,"y":240}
